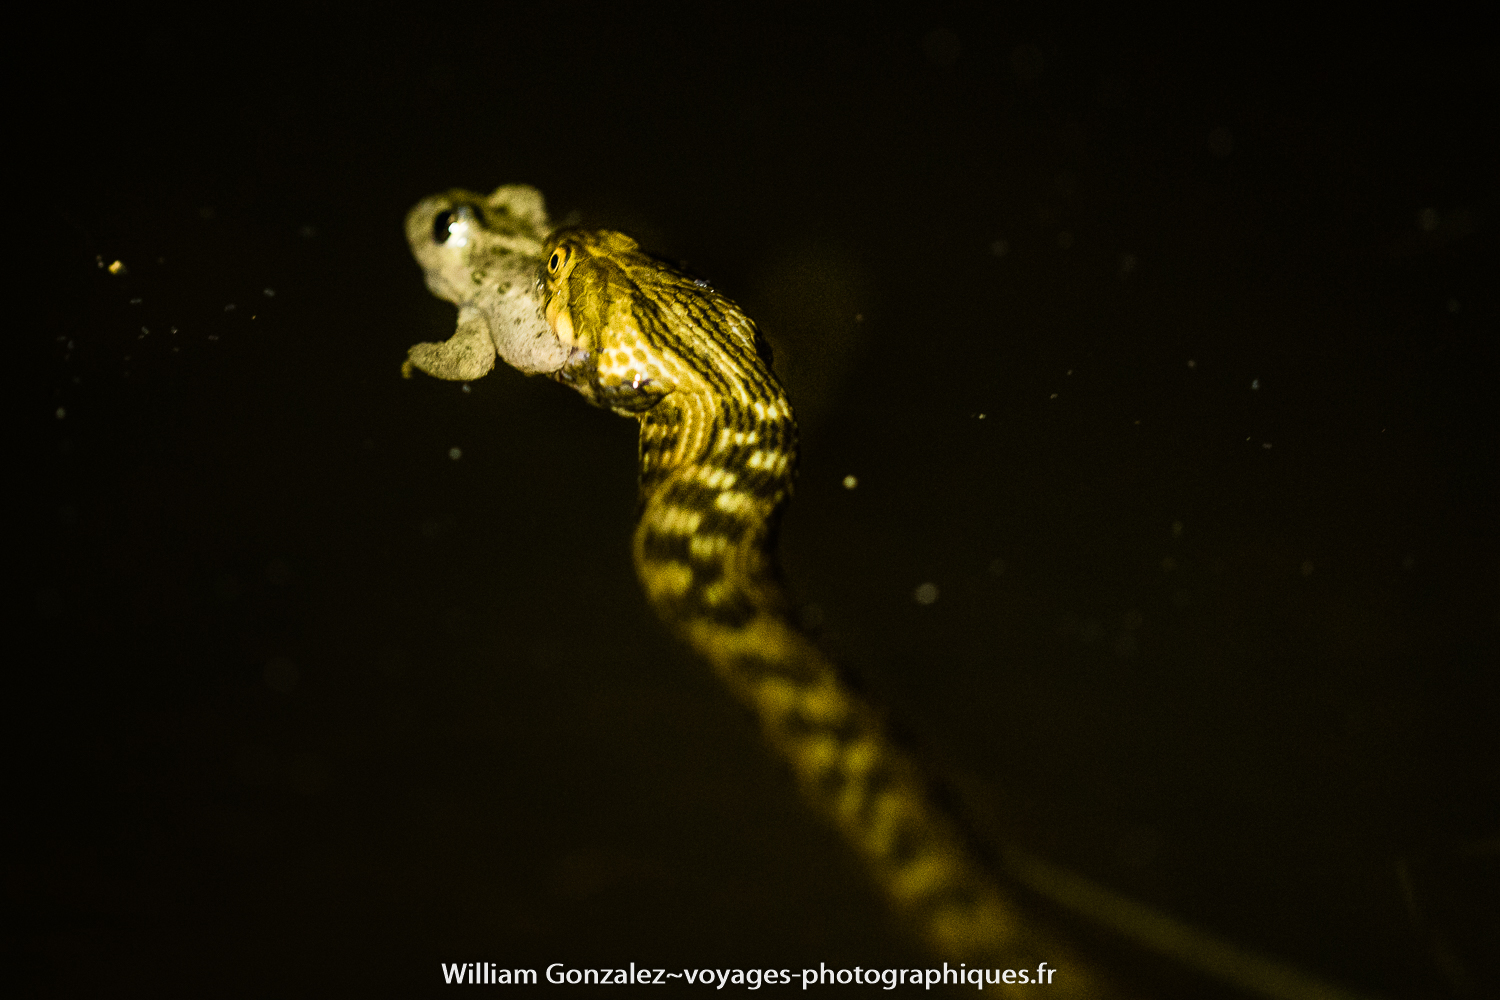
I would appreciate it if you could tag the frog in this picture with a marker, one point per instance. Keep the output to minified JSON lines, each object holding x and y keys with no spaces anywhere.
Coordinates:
{"x":481,"y":253}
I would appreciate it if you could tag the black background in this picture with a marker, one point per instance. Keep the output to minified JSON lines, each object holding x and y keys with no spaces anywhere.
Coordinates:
{"x":304,"y":706}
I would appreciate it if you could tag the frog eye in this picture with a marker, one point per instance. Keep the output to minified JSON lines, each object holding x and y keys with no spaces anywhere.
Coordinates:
{"x":453,"y":224}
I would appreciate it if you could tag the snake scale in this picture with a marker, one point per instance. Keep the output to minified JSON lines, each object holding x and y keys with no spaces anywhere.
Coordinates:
{"x":718,"y":454}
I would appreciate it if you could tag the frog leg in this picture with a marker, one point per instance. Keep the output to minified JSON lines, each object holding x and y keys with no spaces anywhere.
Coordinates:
{"x":467,"y":355}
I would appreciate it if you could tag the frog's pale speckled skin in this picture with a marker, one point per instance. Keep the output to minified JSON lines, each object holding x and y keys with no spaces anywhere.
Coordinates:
{"x":718,"y":452}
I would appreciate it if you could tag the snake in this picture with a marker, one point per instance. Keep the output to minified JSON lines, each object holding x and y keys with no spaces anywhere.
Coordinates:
{"x":641,"y":336}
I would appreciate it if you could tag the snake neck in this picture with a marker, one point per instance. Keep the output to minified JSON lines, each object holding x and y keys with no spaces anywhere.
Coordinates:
{"x":715,"y":474}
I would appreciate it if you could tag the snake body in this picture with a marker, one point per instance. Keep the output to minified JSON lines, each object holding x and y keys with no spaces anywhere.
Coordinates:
{"x":718,"y":453}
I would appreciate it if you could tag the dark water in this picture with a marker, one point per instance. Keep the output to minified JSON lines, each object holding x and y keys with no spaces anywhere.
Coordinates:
{"x":1165,"y":353}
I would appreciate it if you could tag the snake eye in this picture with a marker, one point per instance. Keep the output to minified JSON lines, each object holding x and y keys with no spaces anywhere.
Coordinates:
{"x":440,"y":227}
{"x":554,"y":262}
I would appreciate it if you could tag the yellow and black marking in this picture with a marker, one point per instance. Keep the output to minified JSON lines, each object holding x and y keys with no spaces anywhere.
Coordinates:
{"x":718,"y":453}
